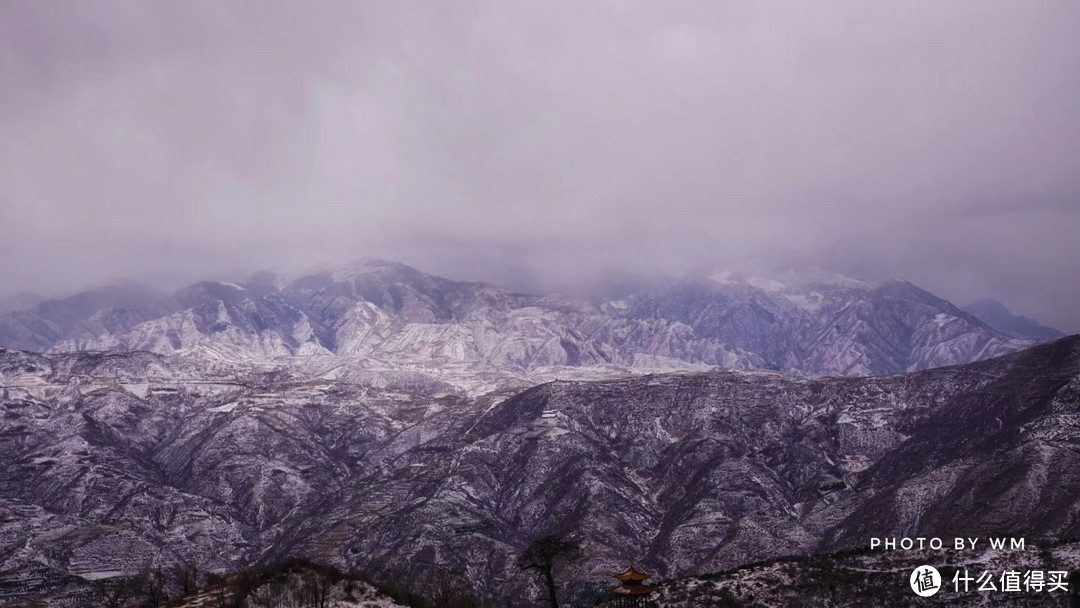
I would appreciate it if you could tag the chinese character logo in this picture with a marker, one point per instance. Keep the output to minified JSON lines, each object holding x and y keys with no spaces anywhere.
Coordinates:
{"x":925,"y":581}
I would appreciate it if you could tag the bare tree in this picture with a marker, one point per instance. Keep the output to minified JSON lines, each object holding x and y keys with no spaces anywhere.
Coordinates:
{"x":542,"y":555}
{"x":452,"y":590}
{"x":221,"y":598}
{"x":113,"y":593}
{"x":321,"y":584}
{"x":402,"y":585}
{"x":186,"y":576}
{"x":153,"y":587}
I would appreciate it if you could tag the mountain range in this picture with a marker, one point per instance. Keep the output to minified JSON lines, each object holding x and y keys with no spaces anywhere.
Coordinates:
{"x":997,"y":315}
{"x":385,"y":315}
{"x":418,"y":430}
{"x":116,"y":461}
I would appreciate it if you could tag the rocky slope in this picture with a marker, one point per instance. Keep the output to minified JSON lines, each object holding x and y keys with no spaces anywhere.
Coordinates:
{"x":394,"y":317}
{"x":871,"y":579}
{"x":116,"y":461}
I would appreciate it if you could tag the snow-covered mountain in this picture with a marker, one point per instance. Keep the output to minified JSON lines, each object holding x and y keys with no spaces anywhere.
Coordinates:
{"x":399,"y":318}
{"x":121,"y":461}
{"x":819,"y":325}
{"x":105,"y":311}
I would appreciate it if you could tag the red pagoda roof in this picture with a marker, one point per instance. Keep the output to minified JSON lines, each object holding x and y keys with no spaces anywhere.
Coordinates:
{"x":632,"y":575}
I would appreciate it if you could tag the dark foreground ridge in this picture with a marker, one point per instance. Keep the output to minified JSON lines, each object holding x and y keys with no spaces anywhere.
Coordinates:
{"x":872,"y":579}
{"x":118,"y":462}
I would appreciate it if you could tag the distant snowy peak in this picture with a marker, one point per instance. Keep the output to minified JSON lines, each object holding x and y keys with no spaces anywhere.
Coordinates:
{"x":789,"y":280}
{"x":728,"y":277}
{"x":815,"y":327}
{"x":397,"y":317}
{"x":997,"y":315}
{"x":369,"y":265}
{"x":806,"y":290}
{"x":110,"y":309}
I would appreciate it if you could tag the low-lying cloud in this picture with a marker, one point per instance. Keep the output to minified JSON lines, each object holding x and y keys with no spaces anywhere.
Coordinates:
{"x":545,"y":144}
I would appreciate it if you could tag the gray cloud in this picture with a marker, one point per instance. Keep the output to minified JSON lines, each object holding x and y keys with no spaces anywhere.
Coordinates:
{"x":545,"y":143}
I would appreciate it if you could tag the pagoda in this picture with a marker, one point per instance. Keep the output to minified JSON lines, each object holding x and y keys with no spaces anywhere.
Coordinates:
{"x":632,"y":582}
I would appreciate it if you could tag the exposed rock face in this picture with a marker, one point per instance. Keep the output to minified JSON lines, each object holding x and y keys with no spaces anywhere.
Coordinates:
{"x":400,"y":318}
{"x":114,"y":461}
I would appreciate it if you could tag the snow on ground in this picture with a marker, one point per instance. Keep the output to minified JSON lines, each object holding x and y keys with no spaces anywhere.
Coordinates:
{"x":97,"y":576}
{"x":228,"y":407}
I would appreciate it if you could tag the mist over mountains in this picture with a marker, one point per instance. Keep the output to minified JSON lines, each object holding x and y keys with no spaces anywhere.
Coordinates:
{"x":398,"y":424}
{"x":385,"y":313}
{"x":591,"y":342}
{"x":996,"y":315}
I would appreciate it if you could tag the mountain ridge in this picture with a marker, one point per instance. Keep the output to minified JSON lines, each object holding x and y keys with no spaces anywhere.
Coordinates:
{"x":118,"y":460}
{"x":997,"y":315}
{"x":373,"y":310}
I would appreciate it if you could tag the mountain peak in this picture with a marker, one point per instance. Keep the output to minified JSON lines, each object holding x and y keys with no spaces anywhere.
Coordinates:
{"x":368,"y":266}
{"x":998,"y":316}
{"x":813,"y":323}
{"x":777,"y":281}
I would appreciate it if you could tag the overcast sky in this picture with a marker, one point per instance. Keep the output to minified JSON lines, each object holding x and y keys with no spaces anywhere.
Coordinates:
{"x":545,"y":143}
